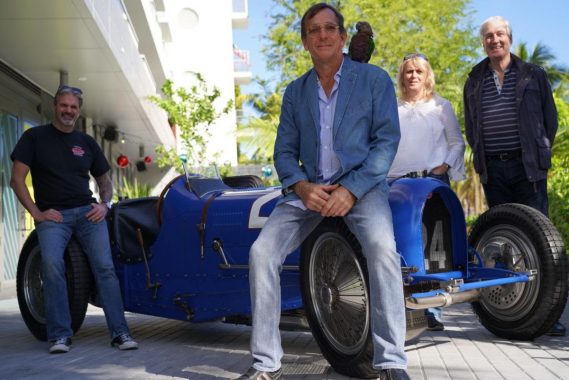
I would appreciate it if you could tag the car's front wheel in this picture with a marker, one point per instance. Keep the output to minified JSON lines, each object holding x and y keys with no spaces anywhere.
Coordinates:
{"x":519,"y":238}
{"x":29,"y":285}
{"x":335,"y":294}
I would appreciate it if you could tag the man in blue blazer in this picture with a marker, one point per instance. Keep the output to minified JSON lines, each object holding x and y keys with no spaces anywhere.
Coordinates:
{"x":337,"y":137}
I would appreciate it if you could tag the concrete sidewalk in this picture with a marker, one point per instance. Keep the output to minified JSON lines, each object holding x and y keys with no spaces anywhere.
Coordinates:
{"x":181,"y":350}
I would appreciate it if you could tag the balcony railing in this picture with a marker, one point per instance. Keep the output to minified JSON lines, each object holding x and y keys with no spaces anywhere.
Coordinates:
{"x":241,"y":66}
{"x":241,"y":60}
{"x":240,"y":6}
{"x":240,"y":14}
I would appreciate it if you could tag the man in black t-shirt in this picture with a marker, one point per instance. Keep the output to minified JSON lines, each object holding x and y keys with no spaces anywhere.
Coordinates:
{"x":60,"y":160}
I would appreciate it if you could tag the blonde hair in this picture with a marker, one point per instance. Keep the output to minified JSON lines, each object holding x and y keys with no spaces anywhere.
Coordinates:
{"x":429,"y":89}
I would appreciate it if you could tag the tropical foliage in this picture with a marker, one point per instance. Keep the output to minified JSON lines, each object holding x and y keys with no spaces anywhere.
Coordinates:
{"x":259,"y":133}
{"x":440,"y":29}
{"x":558,"y":191}
{"x":131,"y":190}
{"x":558,"y":179}
{"x":543,"y":56}
{"x":191,"y":111}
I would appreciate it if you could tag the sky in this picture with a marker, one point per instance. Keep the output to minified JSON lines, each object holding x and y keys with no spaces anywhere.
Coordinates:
{"x":532,"y":21}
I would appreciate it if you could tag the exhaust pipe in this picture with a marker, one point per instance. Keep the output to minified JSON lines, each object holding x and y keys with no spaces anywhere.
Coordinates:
{"x":442,"y":299}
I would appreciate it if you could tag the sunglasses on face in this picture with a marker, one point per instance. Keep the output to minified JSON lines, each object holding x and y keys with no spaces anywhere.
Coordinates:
{"x":74,"y":90}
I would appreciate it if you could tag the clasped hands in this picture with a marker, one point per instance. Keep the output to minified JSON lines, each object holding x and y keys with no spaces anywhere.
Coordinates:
{"x":328,"y":200}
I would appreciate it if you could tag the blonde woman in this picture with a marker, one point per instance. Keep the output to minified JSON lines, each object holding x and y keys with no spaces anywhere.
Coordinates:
{"x":431,"y":144}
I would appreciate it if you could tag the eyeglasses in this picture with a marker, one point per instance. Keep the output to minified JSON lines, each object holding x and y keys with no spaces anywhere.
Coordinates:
{"x":74,"y":90}
{"x":315,"y":30}
{"x":415,"y":55}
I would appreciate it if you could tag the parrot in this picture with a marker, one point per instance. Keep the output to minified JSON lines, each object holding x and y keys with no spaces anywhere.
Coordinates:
{"x":362,"y":45}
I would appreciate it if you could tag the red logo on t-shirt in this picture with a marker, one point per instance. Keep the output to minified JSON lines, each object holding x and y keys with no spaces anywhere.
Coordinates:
{"x":78,"y":151}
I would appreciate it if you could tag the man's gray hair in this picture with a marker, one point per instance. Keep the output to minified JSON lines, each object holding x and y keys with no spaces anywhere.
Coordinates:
{"x":495,"y":20}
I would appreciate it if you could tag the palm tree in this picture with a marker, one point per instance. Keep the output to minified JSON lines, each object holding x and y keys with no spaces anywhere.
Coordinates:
{"x":258,"y":133}
{"x":542,"y":55}
{"x":258,"y":136}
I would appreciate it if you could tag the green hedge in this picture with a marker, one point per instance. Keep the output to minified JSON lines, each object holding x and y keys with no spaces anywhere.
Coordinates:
{"x":558,"y":192}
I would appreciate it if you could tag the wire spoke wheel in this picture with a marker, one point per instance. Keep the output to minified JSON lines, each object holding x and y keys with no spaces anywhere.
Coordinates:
{"x":339,"y":292}
{"x":518,"y":238}
{"x":507,"y":247}
{"x":336,"y":298}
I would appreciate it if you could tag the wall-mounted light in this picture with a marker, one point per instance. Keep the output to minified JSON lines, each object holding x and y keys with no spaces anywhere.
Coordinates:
{"x":111,"y":134}
{"x":140,"y":166}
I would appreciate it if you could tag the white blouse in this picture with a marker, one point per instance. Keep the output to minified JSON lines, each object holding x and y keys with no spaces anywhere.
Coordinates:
{"x":430,"y":136}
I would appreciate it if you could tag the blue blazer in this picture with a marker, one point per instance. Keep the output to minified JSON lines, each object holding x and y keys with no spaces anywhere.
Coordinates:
{"x":366,"y":129}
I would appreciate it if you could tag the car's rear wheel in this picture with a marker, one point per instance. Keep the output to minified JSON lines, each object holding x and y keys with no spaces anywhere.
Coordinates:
{"x":335,"y":293}
{"x":519,"y":238}
{"x":29,"y":285}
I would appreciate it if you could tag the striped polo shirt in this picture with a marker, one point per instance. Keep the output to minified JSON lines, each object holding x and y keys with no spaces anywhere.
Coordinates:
{"x":499,"y":114}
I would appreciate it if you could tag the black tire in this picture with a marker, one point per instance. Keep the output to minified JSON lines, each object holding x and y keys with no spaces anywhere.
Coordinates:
{"x":29,"y":285}
{"x":518,"y":237}
{"x":335,"y":295}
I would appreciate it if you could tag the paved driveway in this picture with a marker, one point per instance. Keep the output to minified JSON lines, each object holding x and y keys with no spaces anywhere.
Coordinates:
{"x":181,"y":350}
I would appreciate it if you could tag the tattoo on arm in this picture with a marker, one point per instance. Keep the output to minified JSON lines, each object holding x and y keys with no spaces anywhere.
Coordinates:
{"x":105,"y":187}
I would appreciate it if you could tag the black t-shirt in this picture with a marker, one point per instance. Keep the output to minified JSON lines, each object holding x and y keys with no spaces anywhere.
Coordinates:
{"x":60,"y":164}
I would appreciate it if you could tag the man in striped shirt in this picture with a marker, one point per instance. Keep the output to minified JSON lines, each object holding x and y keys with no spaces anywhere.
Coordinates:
{"x":510,"y":124}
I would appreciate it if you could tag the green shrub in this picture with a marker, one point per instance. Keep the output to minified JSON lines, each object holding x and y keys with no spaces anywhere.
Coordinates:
{"x":128,"y":190}
{"x":558,"y":192}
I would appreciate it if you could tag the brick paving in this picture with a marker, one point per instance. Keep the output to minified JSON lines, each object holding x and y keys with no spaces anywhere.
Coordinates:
{"x":214,"y":350}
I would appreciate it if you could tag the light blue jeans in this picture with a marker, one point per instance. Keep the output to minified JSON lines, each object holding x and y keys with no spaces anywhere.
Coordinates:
{"x":94,"y":239}
{"x":287,"y":227}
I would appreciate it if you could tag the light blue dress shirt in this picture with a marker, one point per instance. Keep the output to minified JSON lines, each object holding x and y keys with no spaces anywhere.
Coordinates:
{"x":328,"y":163}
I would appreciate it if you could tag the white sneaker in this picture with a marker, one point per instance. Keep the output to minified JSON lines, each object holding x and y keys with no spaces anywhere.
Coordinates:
{"x":124,"y":342}
{"x":60,"y":346}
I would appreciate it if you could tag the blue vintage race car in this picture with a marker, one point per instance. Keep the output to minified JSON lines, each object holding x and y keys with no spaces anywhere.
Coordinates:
{"x":184,"y":255}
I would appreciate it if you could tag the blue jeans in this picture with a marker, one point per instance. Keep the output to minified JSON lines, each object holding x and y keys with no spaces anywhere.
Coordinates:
{"x":94,"y":239}
{"x":435,"y":312}
{"x":287,"y":227}
{"x":508,"y":182}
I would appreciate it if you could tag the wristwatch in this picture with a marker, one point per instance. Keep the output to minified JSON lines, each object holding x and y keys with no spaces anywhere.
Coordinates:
{"x":287,"y":190}
{"x":109,"y":204}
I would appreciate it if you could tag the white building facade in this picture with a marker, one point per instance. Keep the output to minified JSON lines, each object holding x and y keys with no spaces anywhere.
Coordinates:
{"x":118,"y":52}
